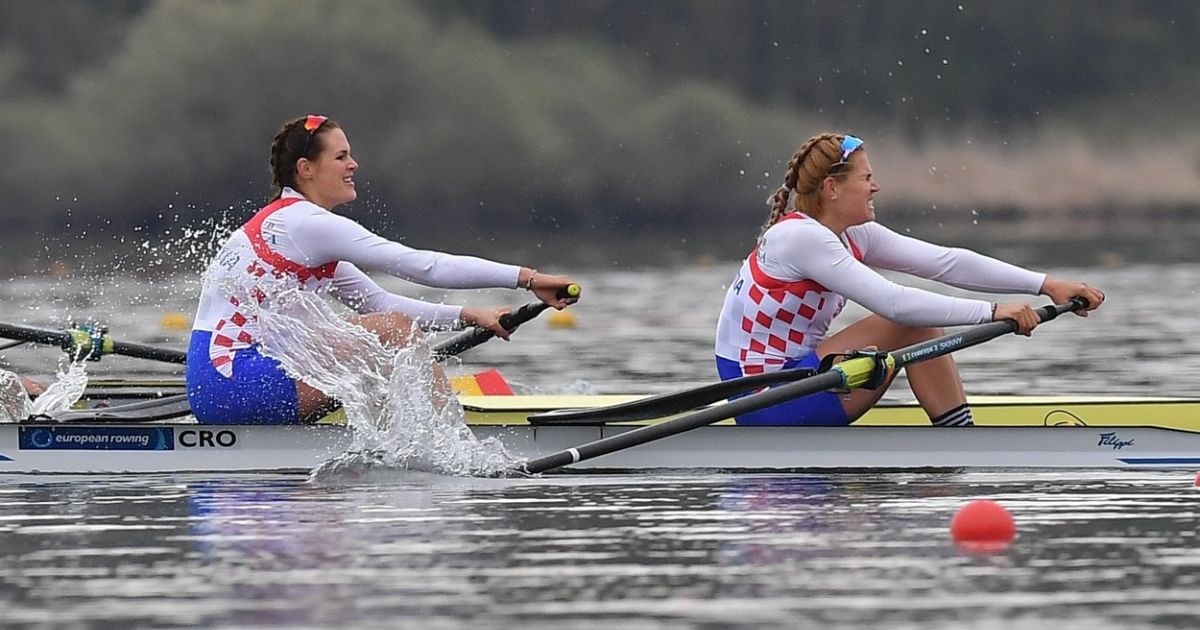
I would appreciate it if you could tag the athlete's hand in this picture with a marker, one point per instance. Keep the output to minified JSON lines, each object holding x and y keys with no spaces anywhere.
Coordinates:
{"x":1027,"y":319}
{"x":549,"y":288}
{"x":1061,"y":292}
{"x":488,"y":318}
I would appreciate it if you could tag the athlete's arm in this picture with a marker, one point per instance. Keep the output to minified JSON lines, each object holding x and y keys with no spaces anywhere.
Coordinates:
{"x":954,"y":266}
{"x":358,"y":291}
{"x":326,"y":237}
{"x":798,"y":250}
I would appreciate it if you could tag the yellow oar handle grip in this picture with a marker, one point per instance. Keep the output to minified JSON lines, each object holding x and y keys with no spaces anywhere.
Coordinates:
{"x":869,"y":370}
{"x":570,"y":291}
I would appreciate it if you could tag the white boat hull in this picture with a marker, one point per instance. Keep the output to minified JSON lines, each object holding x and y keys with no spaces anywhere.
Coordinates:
{"x":139,"y":448}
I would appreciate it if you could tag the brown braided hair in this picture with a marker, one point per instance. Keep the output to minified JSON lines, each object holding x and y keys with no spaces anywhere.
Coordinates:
{"x":809,"y":166}
{"x":290,"y":144}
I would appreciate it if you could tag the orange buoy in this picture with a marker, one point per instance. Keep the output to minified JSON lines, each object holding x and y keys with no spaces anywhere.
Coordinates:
{"x":1198,"y":480}
{"x":983,"y":525}
{"x":174,"y":320}
{"x":561,"y":319}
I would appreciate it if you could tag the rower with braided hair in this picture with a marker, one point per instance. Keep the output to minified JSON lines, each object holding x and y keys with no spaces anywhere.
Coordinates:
{"x":819,"y":247}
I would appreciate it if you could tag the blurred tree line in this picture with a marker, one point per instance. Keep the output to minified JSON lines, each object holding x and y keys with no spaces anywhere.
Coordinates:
{"x":500,"y":117}
{"x":908,"y":61}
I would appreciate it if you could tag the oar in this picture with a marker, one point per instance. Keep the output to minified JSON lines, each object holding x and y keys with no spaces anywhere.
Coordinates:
{"x":849,"y":374}
{"x":90,"y":343}
{"x":671,"y":403}
{"x":466,"y":340}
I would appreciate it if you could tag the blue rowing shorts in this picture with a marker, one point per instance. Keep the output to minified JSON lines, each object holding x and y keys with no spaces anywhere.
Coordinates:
{"x":260,"y":392}
{"x":823,"y":409}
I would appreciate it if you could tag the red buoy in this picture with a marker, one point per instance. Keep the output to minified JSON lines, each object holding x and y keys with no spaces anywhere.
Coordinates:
{"x":983,"y":525}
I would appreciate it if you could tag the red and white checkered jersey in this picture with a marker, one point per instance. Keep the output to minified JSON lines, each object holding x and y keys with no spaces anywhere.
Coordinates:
{"x":790,"y":288}
{"x":294,"y":238}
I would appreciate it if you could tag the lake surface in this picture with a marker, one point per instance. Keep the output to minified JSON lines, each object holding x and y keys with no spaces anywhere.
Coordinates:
{"x":1105,"y":549}
{"x":1095,"y":550}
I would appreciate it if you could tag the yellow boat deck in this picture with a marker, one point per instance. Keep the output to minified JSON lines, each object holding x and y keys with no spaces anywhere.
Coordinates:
{"x":1172,"y":413}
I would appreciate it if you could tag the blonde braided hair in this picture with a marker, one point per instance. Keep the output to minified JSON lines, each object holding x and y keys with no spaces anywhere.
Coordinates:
{"x":809,"y":166}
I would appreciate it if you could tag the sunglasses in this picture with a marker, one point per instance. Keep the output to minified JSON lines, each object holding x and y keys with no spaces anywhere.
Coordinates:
{"x":850,"y":144}
{"x":314,"y":122}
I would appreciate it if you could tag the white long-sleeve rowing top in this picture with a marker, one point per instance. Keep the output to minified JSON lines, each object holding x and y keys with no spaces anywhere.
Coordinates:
{"x":325,"y":251}
{"x":797,"y":280}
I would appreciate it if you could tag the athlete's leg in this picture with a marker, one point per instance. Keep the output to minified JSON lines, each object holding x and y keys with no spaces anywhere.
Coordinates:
{"x":936,"y":383}
{"x":258,"y":391}
{"x":397,"y":330}
{"x":822,"y":409}
{"x":394,"y":330}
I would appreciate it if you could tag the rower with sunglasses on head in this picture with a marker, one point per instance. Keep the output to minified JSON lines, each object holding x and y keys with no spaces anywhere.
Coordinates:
{"x":817,"y":249}
{"x":298,"y":237}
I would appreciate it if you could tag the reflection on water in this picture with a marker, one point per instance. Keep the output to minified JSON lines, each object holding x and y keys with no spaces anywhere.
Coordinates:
{"x":1110,"y":549}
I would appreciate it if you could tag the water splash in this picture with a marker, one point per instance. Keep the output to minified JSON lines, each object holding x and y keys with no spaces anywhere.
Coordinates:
{"x":14,"y":402}
{"x":62,"y":394}
{"x":65,"y":391}
{"x":390,"y":396}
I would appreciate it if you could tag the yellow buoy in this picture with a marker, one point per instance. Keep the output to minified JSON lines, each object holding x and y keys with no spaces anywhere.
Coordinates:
{"x":561,"y":319}
{"x":174,"y":320}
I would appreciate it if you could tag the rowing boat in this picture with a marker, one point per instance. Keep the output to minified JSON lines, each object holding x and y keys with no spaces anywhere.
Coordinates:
{"x":1011,"y":432}
{"x":627,"y":433}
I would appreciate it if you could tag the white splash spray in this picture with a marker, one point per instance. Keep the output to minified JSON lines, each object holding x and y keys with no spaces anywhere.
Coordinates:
{"x":62,"y":394}
{"x":65,"y":391}
{"x":389,"y":395}
{"x":14,"y":402}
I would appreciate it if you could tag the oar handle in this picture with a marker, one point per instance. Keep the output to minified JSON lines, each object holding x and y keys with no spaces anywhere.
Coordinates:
{"x":466,"y":340}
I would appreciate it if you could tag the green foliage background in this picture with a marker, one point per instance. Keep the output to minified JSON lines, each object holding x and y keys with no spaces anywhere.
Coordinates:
{"x":589,"y":116}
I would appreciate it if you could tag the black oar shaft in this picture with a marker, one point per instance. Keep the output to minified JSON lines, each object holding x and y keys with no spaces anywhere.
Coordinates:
{"x":152,"y":353}
{"x":668,"y":404}
{"x":466,"y":340}
{"x":34,"y":335}
{"x":848,"y":374}
{"x":821,"y":382}
{"x":973,"y":336}
{"x":74,"y":341}
{"x":83,"y":342}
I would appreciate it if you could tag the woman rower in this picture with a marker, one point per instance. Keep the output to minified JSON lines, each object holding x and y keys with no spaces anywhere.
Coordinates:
{"x":812,"y":257}
{"x":297,"y":237}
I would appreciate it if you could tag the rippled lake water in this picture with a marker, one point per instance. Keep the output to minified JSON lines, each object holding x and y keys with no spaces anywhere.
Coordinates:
{"x":1095,"y":550}
{"x":1104,"y":549}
